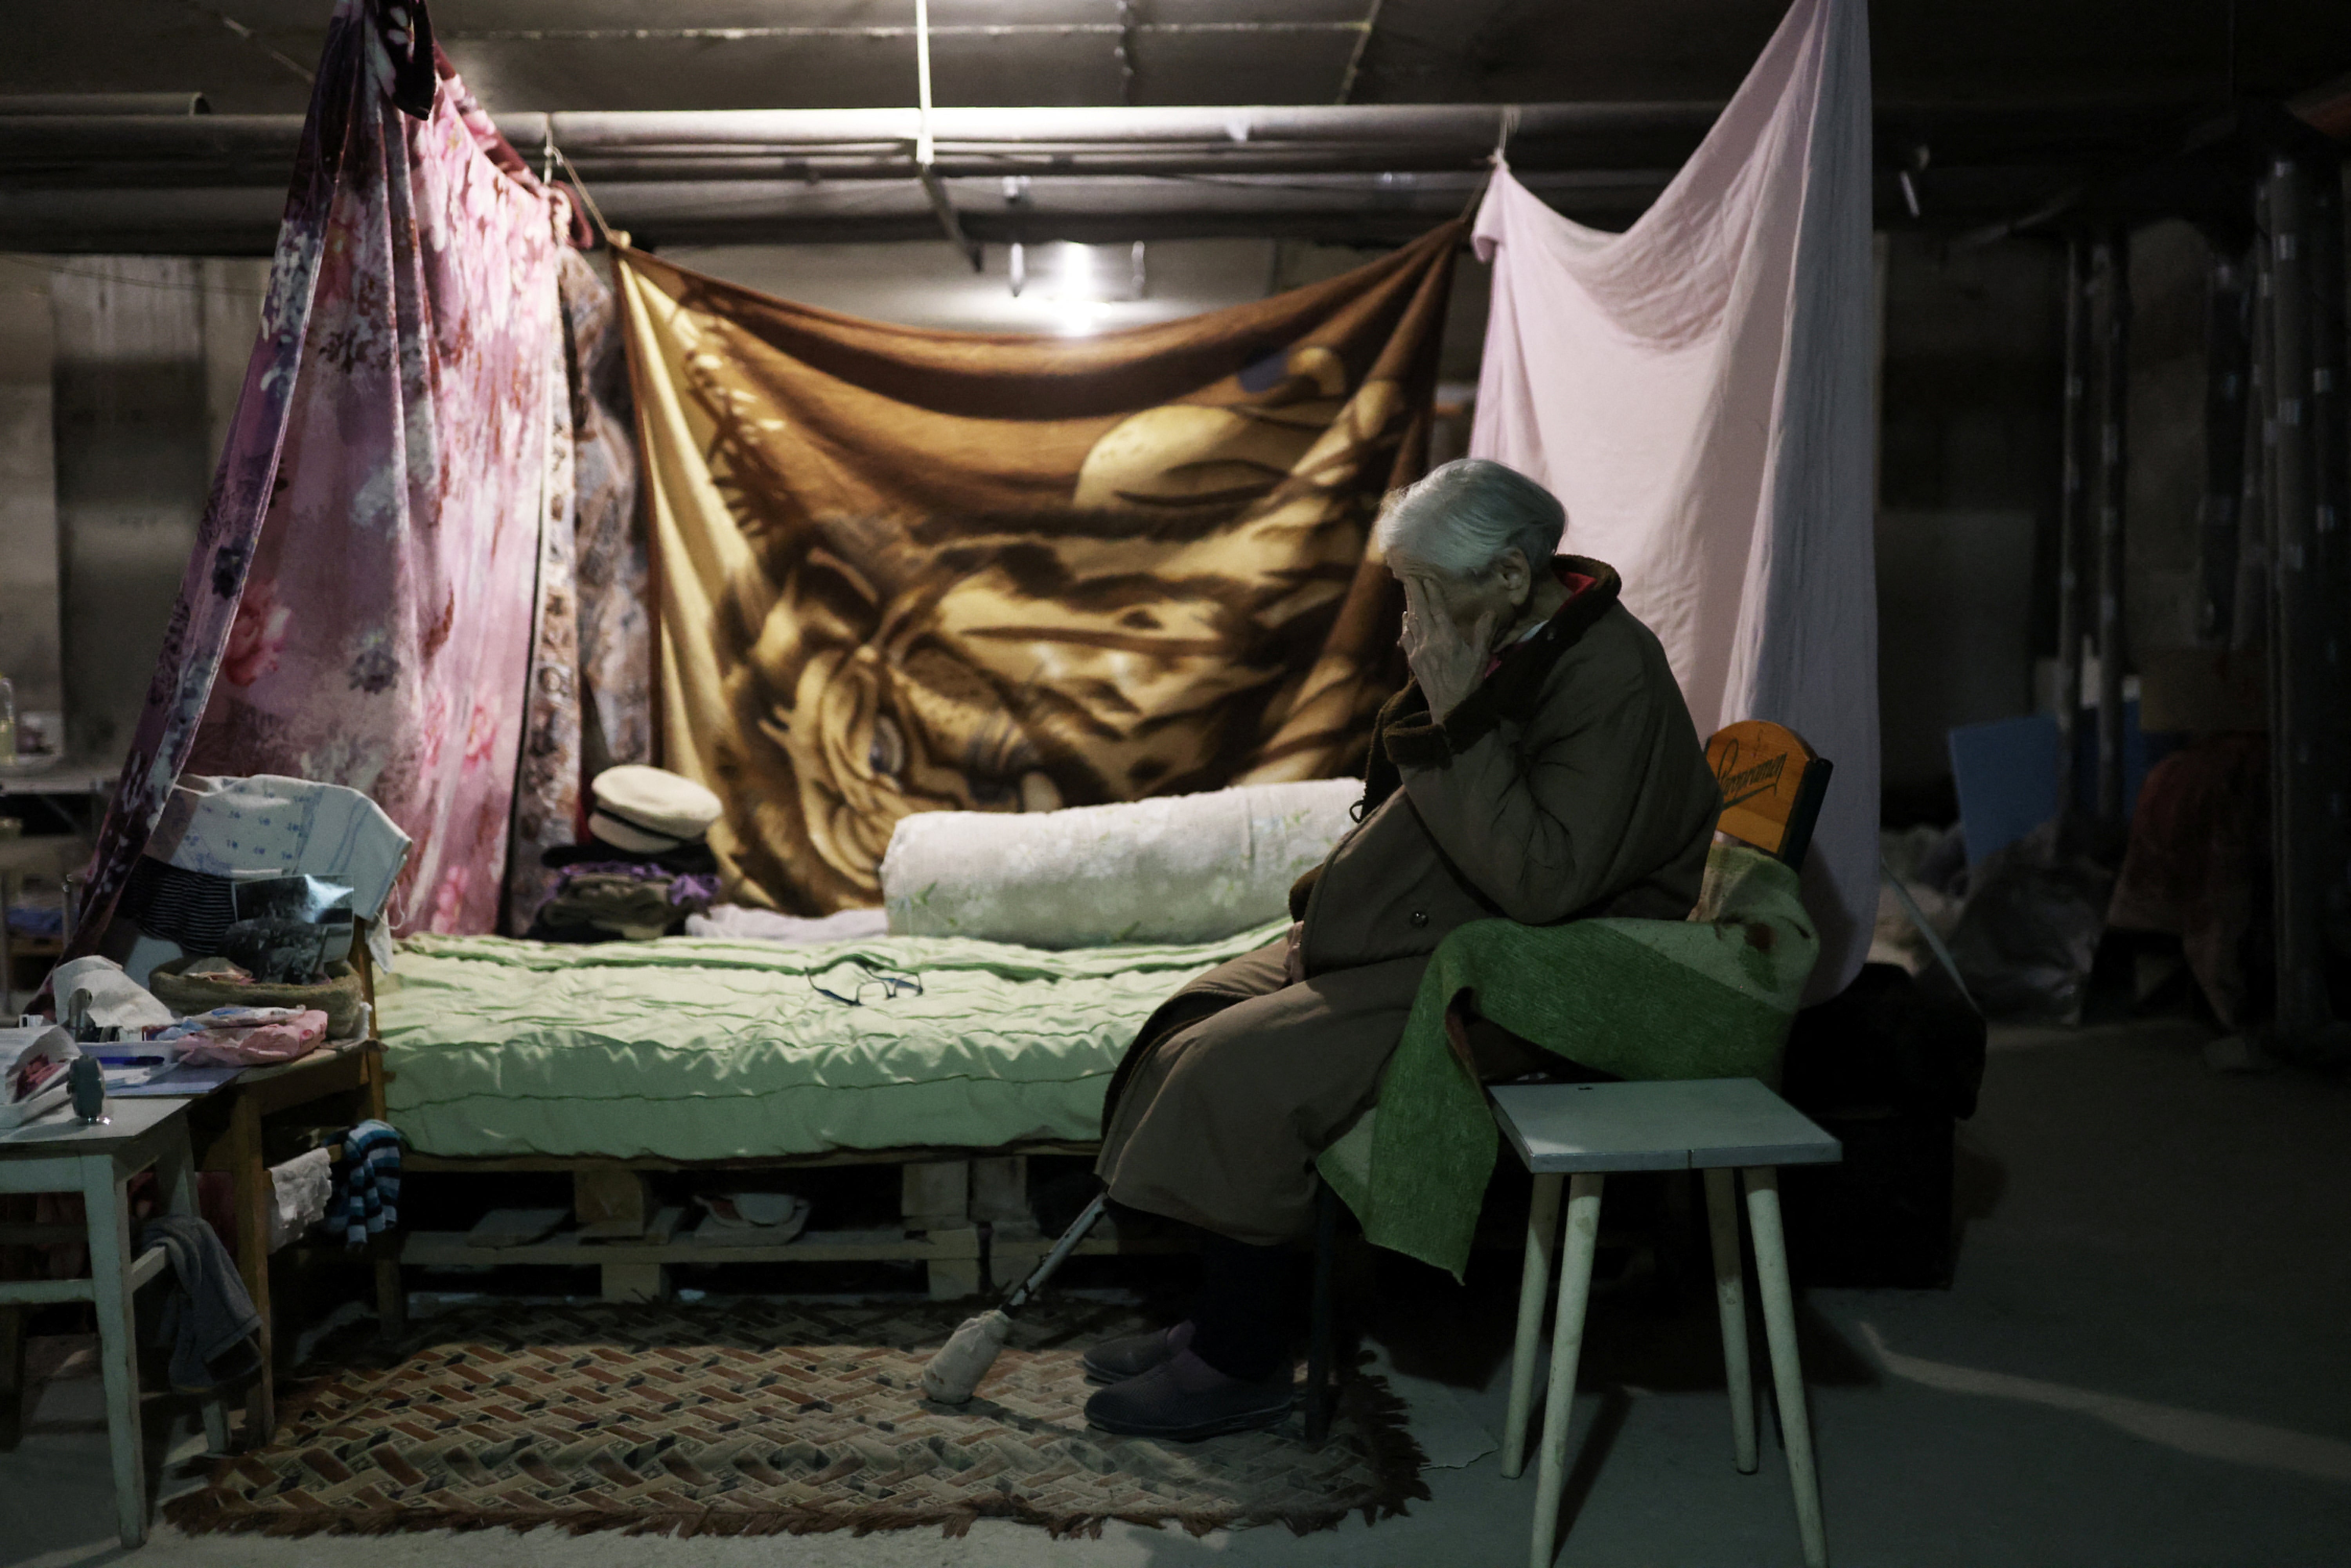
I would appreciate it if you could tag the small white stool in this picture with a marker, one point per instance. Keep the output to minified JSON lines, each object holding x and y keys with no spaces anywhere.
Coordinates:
{"x":54,"y":1152}
{"x":1579,"y":1132}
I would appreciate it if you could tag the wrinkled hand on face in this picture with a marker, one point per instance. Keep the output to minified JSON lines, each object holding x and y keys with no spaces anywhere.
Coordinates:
{"x":1448,"y":659}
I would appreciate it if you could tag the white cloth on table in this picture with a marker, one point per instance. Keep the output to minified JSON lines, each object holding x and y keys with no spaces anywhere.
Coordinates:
{"x":1180,"y":868}
{"x":114,"y":997}
{"x":743,"y":924}
{"x":1697,"y":389}
{"x":287,"y":827}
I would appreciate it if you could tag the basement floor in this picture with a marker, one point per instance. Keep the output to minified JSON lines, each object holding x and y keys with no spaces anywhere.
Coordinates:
{"x":2143,"y":1362}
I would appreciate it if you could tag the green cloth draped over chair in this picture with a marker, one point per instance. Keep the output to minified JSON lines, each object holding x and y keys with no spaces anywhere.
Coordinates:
{"x":1709,"y":997}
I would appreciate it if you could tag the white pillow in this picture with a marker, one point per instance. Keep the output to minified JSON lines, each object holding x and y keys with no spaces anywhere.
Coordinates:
{"x":1182,"y":868}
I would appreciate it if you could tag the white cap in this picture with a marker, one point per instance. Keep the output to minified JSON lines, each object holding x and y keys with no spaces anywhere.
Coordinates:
{"x":650,"y":810}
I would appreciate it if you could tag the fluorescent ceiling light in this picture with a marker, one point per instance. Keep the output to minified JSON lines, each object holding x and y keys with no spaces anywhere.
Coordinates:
{"x":1076,"y":299}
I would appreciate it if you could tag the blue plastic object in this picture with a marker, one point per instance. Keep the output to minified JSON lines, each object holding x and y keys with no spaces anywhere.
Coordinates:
{"x":2006,"y":772}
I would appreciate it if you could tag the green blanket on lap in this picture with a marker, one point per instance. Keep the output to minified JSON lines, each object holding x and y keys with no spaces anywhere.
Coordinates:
{"x":1711,"y":997}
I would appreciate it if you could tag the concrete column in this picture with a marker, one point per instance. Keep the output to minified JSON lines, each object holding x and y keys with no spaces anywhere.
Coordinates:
{"x":2310,"y":744}
{"x":30,"y":655}
{"x":2073,"y":521}
{"x":2111,"y":264}
{"x":2227,"y":361}
{"x":2249,"y":628}
{"x":131,"y":472}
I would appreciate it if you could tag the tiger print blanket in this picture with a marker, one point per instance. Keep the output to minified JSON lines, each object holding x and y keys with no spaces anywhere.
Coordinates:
{"x":907,"y":571}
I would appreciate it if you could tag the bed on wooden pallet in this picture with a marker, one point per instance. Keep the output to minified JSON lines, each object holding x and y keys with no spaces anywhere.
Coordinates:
{"x":954,"y":1059}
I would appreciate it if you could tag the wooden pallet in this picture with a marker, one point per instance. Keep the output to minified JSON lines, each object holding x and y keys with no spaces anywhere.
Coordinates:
{"x":964,"y":1216}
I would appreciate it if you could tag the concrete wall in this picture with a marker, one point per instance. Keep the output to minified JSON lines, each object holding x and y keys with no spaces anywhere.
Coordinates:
{"x":131,"y":474}
{"x":119,"y":377}
{"x":1971,"y":383}
{"x":30,"y":655}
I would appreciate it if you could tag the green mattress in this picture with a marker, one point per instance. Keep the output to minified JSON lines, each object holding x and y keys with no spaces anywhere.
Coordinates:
{"x":700,"y":1048}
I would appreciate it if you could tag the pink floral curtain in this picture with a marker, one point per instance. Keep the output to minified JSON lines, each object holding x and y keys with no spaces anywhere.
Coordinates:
{"x":364,"y":598}
{"x":591,"y":700}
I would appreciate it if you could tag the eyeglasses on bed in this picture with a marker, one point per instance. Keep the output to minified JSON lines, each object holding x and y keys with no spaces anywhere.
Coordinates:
{"x":880,"y":984}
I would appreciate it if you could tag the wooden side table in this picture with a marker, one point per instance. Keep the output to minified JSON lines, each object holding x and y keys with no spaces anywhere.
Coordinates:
{"x":1573,"y":1133}
{"x":226,"y":1131}
{"x":57,"y":1153}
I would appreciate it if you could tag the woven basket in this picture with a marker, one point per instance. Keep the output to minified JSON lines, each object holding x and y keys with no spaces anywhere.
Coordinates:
{"x":339,"y":996}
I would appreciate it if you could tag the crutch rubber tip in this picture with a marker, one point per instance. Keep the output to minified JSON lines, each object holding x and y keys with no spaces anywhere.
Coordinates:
{"x":952,"y":1375}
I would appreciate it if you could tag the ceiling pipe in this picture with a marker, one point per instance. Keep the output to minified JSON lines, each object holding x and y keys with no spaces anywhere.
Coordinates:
{"x":214,"y":183}
{"x":1049,"y":143}
{"x":1446,"y":135}
{"x":243,"y":220}
{"x":144,"y":104}
{"x":1466,"y":126}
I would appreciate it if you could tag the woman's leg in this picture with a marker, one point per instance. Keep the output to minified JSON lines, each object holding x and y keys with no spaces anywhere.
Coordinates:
{"x":1240,"y":1323}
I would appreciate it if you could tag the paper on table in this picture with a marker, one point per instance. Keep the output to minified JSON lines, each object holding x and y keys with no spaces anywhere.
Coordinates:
{"x":180,"y":1082}
{"x":46,"y":1040}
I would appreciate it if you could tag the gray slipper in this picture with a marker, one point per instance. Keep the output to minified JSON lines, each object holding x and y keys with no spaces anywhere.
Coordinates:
{"x":1183,"y":1400}
{"x":1131,"y":1355}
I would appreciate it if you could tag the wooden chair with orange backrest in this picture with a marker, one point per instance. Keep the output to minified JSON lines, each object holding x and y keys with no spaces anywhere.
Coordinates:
{"x":1772,"y":785}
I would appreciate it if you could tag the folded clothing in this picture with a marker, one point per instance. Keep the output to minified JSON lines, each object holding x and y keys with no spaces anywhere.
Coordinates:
{"x":366,"y":1183}
{"x":232,"y":827}
{"x":192,"y":908}
{"x":251,"y":1037}
{"x":599,"y":901}
{"x":694,"y":858}
{"x":229,"y":1015}
{"x":733,"y":920}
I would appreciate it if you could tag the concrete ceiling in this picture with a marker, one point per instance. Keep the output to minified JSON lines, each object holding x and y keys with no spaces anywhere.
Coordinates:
{"x":809,"y":54}
{"x":2007,"y":103}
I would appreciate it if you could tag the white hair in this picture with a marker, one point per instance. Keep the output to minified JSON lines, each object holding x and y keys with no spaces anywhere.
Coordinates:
{"x":1461,"y":518}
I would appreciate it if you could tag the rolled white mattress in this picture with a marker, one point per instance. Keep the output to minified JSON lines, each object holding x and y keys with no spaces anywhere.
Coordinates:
{"x":1184,"y":868}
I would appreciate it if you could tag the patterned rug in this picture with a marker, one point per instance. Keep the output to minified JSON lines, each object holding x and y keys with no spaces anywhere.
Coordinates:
{"x":762,"y":1418}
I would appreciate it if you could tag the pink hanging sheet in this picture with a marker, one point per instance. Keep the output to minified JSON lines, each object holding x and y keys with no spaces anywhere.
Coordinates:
{"x":1697,"y":389}
{"x":360,"y":607}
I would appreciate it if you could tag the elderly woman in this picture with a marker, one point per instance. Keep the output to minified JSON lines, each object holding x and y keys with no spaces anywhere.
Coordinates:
{"x":1541,"y":767}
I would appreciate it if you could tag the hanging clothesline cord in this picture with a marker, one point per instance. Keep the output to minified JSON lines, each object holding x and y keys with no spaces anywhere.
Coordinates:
{"x":1495,"y":160}
{"x":580,"y":186}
